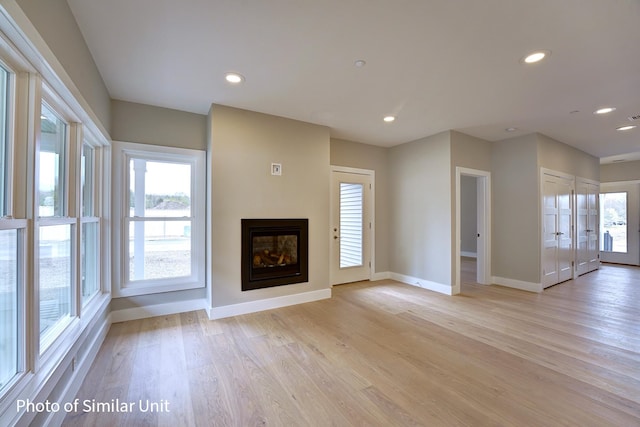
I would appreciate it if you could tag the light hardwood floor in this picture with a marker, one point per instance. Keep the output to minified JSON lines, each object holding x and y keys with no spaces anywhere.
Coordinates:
{"x":387,"y":354}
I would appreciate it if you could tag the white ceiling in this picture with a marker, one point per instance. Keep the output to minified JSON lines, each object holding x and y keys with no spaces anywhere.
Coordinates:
{"x":436,"y":64}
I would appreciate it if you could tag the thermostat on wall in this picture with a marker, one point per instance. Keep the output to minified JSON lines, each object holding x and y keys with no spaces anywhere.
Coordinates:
{"x":276,"y":169}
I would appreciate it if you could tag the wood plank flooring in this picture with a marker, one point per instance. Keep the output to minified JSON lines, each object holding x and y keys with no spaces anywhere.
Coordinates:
{"x":386,"y":354}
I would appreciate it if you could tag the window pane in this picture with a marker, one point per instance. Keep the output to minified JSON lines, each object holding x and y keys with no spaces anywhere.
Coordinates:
{"x":4,"y":141}
{"x":8,"y":305}
{"x":51,"y":169}
{"x":351,"y":230}
{"x":55,"y":275}
{"x":159,"y":189}
{"x":613,"y":209}
{"x":89,"y":260}
{"x":86,"y":179}
{"x":159,"y":249}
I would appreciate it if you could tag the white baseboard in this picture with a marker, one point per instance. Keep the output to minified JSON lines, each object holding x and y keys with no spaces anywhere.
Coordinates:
{"x":421,"y":283}
{"x":469,"y":254}
{"x":266,"y":304}
{"x":382,"y":275}
{"x":517,"y":284}
{"x":157,"y":310}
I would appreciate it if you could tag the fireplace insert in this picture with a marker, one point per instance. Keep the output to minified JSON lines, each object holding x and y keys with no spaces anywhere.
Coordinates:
{"x":274,"y":252}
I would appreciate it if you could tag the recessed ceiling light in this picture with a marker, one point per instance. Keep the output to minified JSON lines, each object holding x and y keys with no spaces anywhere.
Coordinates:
{"x":627,"y":127}
{"x":234,"y":78}
{"x":511,"y":129}
{"x":389,"y":119}
{"x":605,"y":110}
{"x":360,"y":63}
{"x":536,"y":56}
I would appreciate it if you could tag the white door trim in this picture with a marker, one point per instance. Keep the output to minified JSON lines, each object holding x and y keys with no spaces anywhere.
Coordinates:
{"x":371,"y":204}
{"x":484,"y":226}
{"x":632,"y":188}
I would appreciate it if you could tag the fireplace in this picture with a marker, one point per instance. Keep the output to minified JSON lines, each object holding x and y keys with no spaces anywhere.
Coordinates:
{"x":274,"y":252}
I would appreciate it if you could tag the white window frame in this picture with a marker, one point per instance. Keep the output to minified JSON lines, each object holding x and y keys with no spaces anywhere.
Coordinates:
{"x":67,"y":217}
{"x":92,"y":218}
{"x":35,"y":79}
{"x":123,"y":153}
{"x":9,"y":222}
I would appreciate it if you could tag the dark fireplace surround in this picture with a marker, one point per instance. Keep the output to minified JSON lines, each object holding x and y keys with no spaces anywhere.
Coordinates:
{"x":275,"y":252}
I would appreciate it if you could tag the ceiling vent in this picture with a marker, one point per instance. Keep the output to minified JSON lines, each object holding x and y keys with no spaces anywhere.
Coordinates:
{"x":634,"y":118}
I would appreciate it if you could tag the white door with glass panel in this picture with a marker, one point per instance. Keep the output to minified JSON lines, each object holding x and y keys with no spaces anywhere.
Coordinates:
{"x":620,"y":223}
{"x":351,"y":195}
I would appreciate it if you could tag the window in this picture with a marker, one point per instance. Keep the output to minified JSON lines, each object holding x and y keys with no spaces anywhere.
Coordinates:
{"x":90,"y":232}
{"x":613,"y":208}
{"x":162,"y":219}
{"x":55,"y":275}
{"x":4,"y":140}
{"x":55,"y":232}
{"x":51,"y":200}
{"x":351,"y":224}
{"x":9,"y":304}
{"x":52,"y":167}
{"x":12,"y":232}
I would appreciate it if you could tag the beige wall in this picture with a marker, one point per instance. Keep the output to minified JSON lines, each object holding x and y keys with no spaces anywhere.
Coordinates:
{"x":561,"y":157}
{"x":242,"y":147}
{"x":615,"y":172}
{"x":420,"y":203}
{"x":472,"y":153}
{"x":158,"y":126}
{"x":515,"y":209}
{"x":363,"y":156}
{"x":58,"y":28}
{"x":516,"y":229}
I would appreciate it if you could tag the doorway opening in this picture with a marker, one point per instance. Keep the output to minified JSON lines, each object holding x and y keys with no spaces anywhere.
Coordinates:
{"x":473,"y":227}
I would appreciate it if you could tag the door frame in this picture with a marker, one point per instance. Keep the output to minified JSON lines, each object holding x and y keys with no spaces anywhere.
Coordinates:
{"x":369,"y":206}
{"x":633,"y":224}
{"x":483,"y":180}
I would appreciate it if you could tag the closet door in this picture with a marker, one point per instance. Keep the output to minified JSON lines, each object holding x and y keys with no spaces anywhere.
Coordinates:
{"x":557,"y":236}
{"x":587,"y":225}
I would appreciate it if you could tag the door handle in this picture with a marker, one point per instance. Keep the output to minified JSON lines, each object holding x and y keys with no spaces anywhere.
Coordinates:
{"x":559,"y":233}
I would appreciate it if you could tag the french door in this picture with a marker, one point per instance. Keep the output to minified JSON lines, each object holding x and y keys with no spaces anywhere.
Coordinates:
{"x":557,"y":250}
{"x":351,"y":225}
{"x":588,"y":224}
{"x":620,"y":223}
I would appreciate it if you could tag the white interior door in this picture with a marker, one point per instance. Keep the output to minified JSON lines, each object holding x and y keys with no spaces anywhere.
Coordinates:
{"x":588,"y":253}
{"x":557,"y":236}
{"x":565,"y":227}
{"x":620,"y":223}
{"x":351,"y":224}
